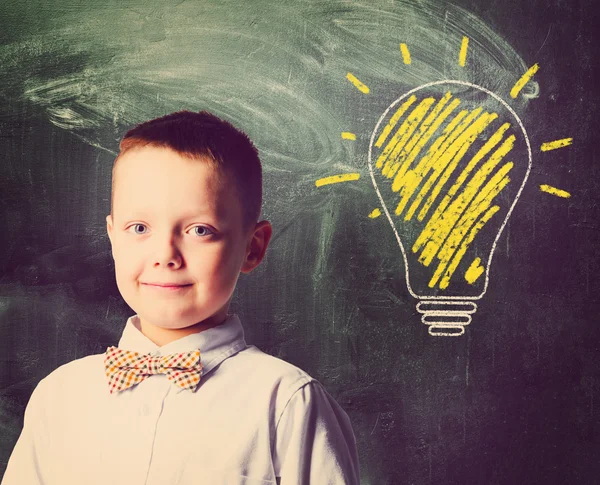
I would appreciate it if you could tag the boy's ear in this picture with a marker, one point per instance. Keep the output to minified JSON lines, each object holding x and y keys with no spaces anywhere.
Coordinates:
{"x":255,"y":252}
{"x":109,"y":227}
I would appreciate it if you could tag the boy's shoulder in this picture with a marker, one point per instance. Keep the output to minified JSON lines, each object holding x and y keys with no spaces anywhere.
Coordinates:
{"x":83,"y":366}
{"x":265,"y":382}
{"x":77,"y":374}
{"x":266,"y":370}
{"x":61,"y":393}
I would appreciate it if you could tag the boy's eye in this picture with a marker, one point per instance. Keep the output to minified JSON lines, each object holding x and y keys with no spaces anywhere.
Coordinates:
{"x":201,"y":231}
{"x":138,"y":228}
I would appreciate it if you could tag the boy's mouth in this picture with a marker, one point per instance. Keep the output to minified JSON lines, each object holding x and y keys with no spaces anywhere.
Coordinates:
{"x":168,"y":285}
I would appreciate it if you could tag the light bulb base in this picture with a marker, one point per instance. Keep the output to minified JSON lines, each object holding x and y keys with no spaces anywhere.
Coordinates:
{"x":446,"y":318}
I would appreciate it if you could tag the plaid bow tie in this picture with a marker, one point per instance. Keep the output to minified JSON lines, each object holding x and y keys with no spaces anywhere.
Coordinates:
{"x":125,"y":369}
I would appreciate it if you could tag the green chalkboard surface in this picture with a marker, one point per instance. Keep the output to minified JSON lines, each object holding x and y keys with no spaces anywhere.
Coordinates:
{"x":431,"y":173}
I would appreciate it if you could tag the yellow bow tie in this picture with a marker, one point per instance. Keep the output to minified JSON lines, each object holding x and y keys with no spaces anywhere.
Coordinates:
{"x":125,"y":368}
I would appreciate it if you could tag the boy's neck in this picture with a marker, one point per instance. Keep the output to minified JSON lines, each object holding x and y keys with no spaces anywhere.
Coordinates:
{"x":163,"y":336}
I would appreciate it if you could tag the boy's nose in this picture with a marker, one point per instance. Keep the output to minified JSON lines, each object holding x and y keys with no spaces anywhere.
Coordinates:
{"x":167,"y":253}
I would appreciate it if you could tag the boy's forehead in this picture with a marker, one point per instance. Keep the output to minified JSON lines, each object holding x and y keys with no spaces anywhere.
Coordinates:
{"x":140,"y":159}
{"x":154,"y":177}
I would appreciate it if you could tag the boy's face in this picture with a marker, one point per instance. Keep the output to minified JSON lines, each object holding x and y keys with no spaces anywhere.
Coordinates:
{"x":178,"y":240}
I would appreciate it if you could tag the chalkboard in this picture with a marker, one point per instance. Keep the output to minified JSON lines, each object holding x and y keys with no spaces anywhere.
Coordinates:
{"x":488,"y":372}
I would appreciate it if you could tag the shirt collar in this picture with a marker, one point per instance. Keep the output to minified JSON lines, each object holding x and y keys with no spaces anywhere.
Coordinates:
{"x":215,"y":344}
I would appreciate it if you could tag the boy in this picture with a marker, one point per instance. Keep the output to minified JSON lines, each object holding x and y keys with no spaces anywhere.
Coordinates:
{"x":183,"y":399}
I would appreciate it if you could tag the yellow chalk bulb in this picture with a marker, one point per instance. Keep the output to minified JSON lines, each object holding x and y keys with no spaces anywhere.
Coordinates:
{"x":448,"y":161}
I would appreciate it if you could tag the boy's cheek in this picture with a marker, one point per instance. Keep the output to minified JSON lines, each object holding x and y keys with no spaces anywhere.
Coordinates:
{"x":124,"y":254}
{"x":126,"y":267}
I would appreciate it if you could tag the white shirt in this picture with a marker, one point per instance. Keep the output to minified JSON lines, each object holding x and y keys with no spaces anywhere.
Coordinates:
{"x":254,"y":418}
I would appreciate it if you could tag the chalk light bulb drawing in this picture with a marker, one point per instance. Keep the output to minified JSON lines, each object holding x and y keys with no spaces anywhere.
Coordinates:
{"x":448,"y":161}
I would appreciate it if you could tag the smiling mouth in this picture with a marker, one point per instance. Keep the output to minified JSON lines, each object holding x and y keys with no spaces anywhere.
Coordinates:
{"x":167,"y":286}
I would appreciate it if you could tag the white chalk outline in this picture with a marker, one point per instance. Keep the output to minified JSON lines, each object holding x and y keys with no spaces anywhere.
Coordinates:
{"x":447,"y":299}
{"x":464,"y":314}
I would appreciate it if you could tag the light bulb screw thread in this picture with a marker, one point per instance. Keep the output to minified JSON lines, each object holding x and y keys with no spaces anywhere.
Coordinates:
{"x":446,"y":318}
